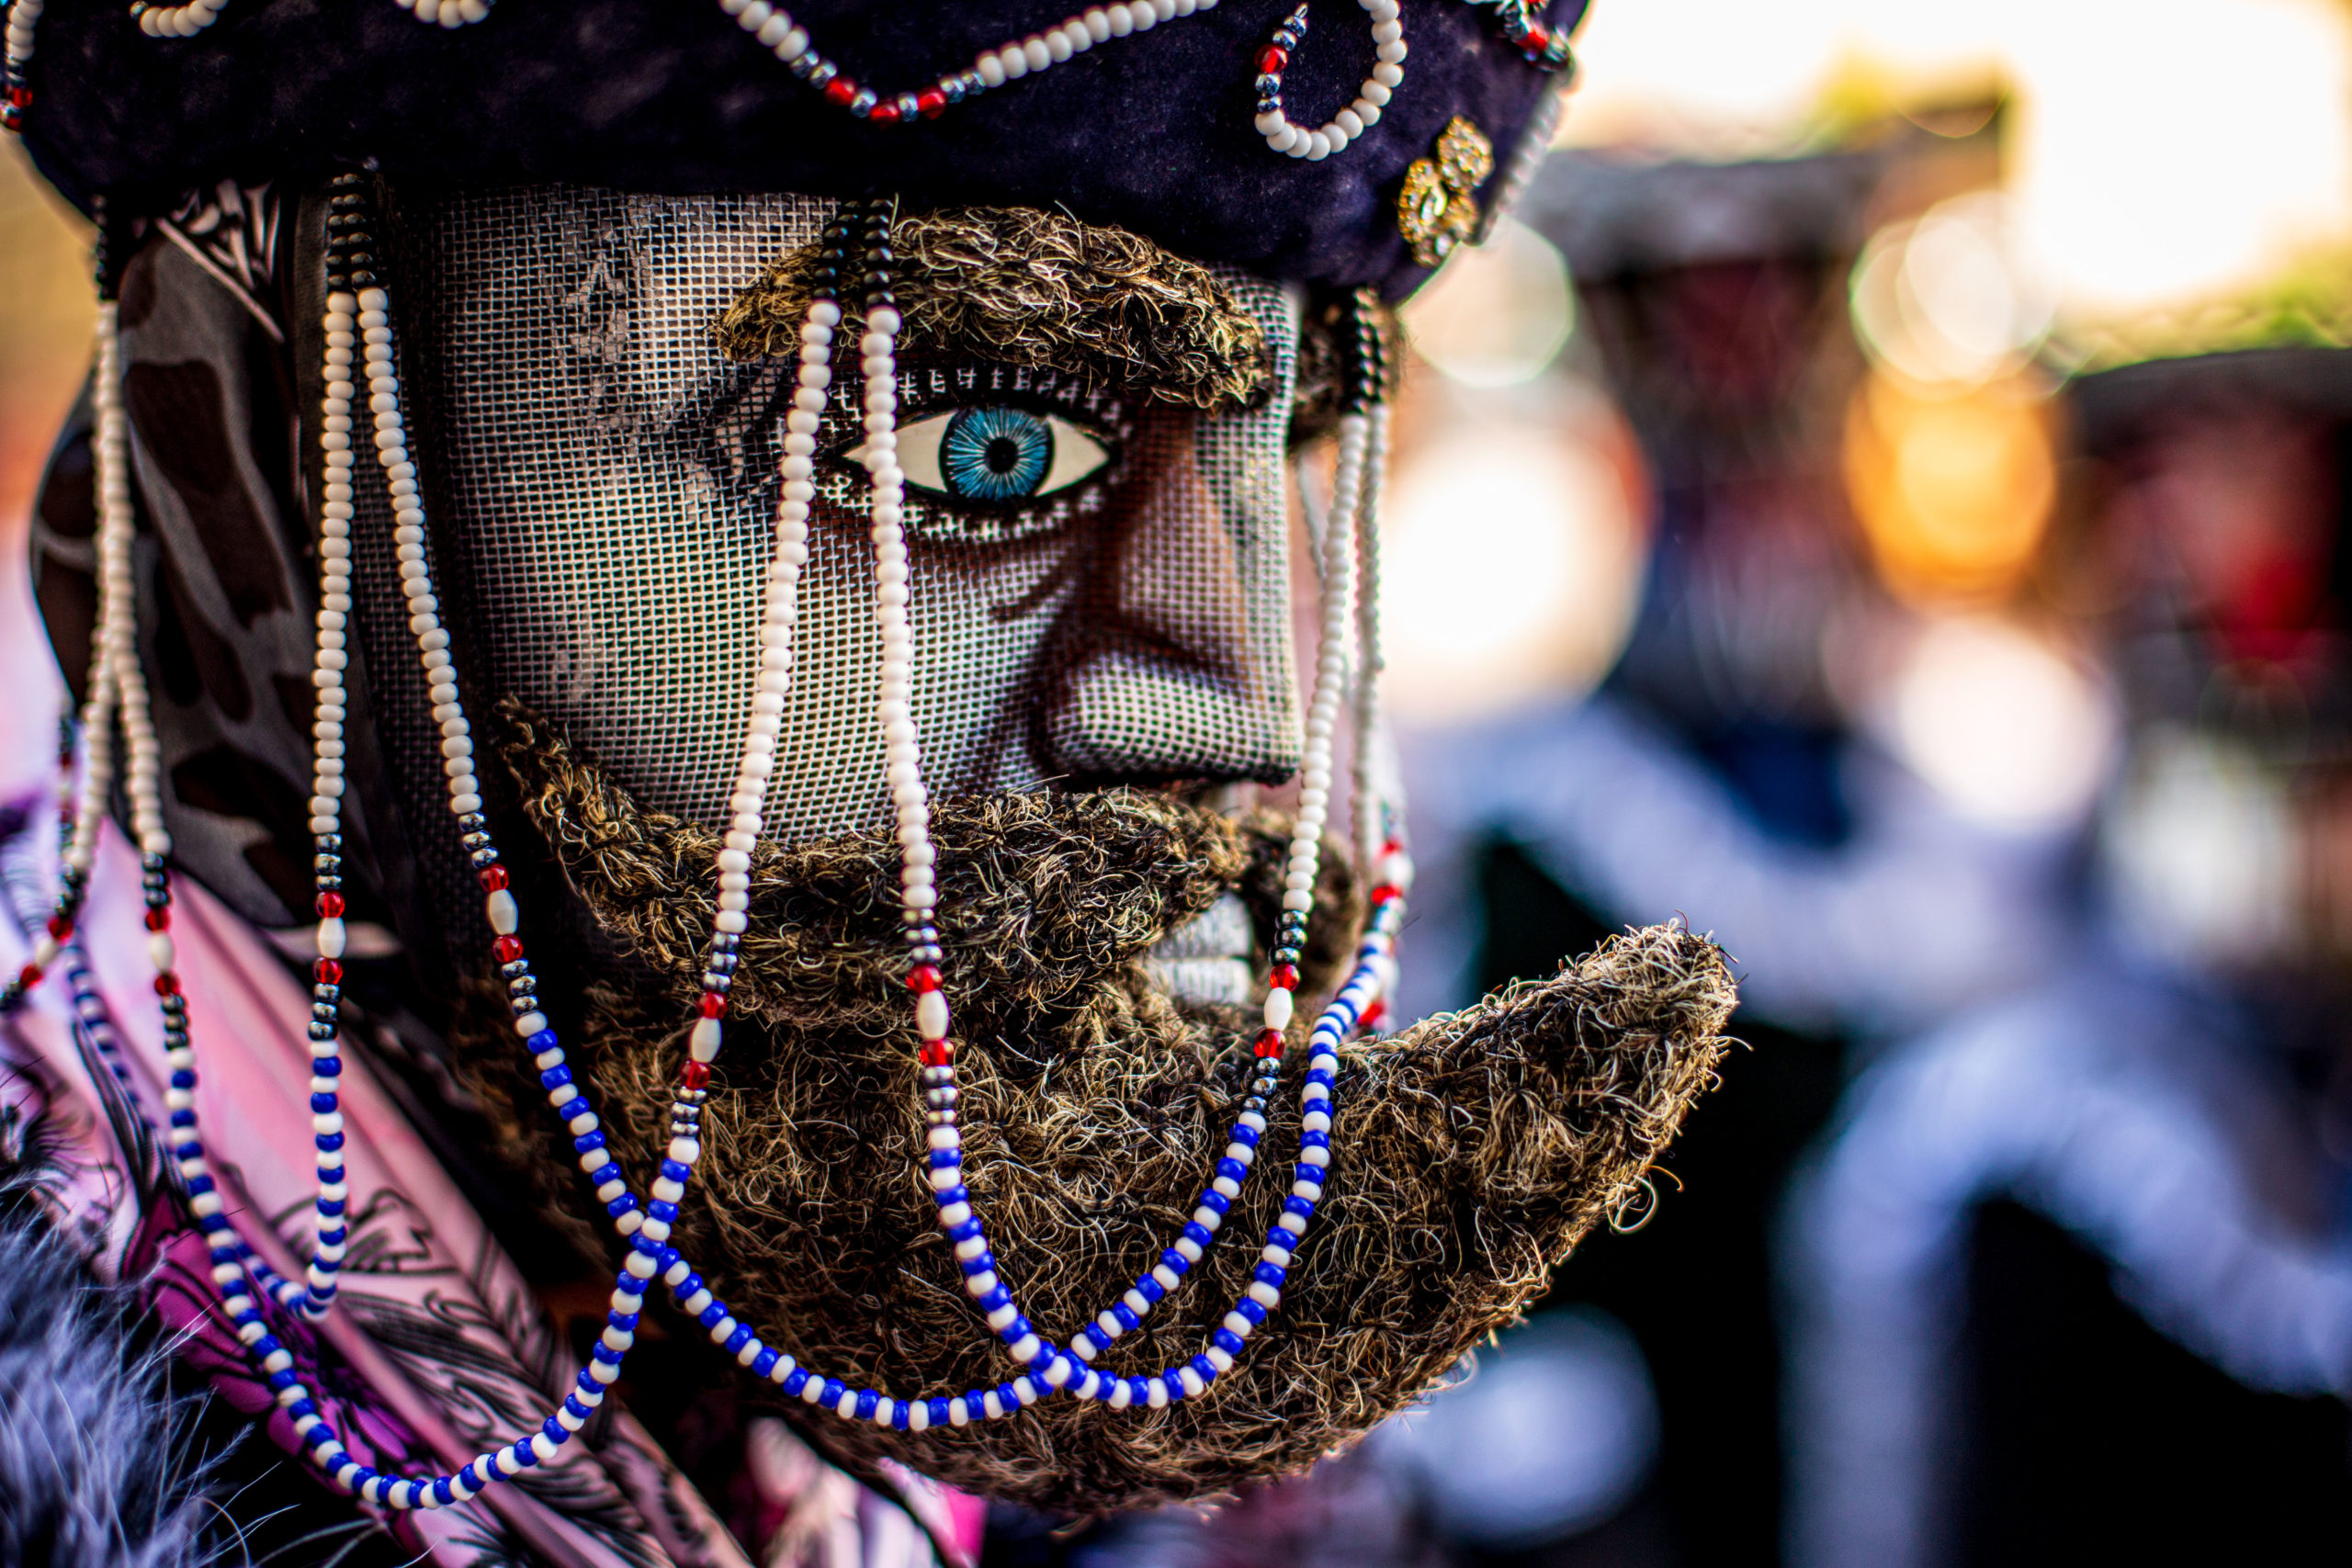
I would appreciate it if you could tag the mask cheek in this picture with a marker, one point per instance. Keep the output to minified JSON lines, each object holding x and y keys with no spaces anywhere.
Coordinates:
{"x":1165,"y":674}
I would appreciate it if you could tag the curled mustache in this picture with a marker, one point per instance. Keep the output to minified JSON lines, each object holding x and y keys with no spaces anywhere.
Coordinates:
{"x":1470,"y":1152}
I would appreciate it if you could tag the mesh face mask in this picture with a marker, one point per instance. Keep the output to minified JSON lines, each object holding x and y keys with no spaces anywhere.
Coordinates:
{"x":532,"y":455}
{"x":608,"y":480}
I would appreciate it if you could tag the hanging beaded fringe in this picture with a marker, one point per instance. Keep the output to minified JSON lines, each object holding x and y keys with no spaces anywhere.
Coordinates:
{"x":1387,"y":74}
{"x":359,"y":333}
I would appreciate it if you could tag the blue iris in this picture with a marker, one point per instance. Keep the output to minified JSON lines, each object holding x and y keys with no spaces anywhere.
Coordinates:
{"x":995,"y":453}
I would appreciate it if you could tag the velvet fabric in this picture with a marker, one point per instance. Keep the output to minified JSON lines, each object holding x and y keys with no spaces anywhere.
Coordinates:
{"x":1151,"y":133}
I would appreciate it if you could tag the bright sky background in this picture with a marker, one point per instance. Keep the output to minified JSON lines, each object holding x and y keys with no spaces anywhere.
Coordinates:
{"x":2160,"y":149}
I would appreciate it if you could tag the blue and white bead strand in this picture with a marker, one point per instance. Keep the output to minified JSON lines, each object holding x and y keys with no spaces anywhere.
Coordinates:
{"x":234,"y":1268}
{"x":1388,"y":73}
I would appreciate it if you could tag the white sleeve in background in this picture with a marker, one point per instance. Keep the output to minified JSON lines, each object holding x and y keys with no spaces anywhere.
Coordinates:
{"x":1917,"y":912}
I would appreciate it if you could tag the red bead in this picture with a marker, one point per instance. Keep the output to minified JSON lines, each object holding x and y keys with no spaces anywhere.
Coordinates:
{"x":20,"y":97}
{"x":330,"y":906}
{"x":694,"y":1074}
{"x":938,"y":1054}
{"x":1285,"y":977}
{"x":493,"y":879}
{"x":29,"y":976}
{"x":327,"y":972}
{"x":507,"y":948}
{"x":713,"y":1005}
{"x":923,"y":977}
{"x":841,"y":89}
{"x":1373,"y":1014}
{"x":167,"y":984}
{"x":1269,"y":1043}
{"x":931,"y":102}
{"x":1387,"y":892}
{"x":1535,"y":40}
{"x":62,"y":928}
{"x":160,"y":919}
{"x":1271,"y":59}
{"x":885,"y":112}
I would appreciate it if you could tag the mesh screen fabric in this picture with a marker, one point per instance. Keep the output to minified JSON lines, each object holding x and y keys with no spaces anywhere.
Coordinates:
{"x":605,"y":482}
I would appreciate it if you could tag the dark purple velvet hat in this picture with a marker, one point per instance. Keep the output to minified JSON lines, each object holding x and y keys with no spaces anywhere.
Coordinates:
{"x":1152,"y":131}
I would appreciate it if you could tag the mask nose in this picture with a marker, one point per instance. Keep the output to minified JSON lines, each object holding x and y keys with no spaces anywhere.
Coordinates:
{"x":1175,"y":661}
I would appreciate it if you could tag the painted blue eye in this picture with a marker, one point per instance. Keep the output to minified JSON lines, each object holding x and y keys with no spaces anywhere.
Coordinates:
{"x":995,"y":453}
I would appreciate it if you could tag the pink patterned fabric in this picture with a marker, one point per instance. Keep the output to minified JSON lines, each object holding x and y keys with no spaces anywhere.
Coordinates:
{"x":437,"y":1348}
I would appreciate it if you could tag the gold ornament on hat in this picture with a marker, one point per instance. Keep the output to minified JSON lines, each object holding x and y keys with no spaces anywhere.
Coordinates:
{"x":1435,"y":210}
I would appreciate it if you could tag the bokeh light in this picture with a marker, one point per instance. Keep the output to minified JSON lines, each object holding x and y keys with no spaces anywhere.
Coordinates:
{"x":1498,"y":313}
{"x":1511,"y":560}
{"x":2157,"y":150}
{"x":2007,"y":727}
{"x":1952,"y":296}
{"x":1953,"y":488}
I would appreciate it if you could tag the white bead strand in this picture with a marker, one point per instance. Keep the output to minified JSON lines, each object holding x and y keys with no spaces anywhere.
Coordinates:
{"x":755,"y":765}
{"x":447,"y":13}
{"x":177,"y":21}
{"x":1285,"y":136}
{"x":1331,"y":669}
{"x":1375,"y":812}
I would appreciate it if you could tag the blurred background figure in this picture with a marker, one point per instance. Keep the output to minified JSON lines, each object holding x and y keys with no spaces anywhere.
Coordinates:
{"x":2060,"y":1249}
{"x":1825,"y":736}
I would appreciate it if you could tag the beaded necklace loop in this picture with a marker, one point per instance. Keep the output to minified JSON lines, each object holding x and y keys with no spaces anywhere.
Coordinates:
{"x":1388,"y":73}
{"x":992,"y":68}
{"x":188,"y":20}
{"x":359,"y":333}
{"x":16,"y":56}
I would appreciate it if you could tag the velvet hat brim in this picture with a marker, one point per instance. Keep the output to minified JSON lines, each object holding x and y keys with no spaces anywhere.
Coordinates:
{"x":1150,"y":133}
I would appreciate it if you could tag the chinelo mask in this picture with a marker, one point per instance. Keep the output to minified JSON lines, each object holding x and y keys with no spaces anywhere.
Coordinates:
{"x":794,"y":594}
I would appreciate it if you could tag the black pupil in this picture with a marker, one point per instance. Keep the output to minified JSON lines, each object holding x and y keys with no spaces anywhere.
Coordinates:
{"x":1003,"y":455}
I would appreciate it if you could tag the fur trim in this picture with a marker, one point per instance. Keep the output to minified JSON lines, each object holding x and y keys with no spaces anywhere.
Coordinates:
{"x":98,"y":1468}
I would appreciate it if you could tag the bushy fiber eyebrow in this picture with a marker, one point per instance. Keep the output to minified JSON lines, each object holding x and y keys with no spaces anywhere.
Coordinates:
{"x":1018,"y":286}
